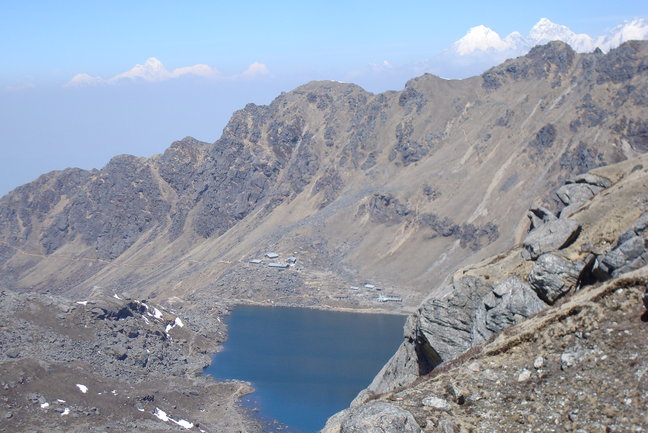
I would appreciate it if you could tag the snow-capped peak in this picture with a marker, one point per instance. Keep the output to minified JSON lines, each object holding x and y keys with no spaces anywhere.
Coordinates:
{"x":484,"y":39}
{"x":545,"y":31}
{"x":479,"y":38}
{"x":636,"y":29}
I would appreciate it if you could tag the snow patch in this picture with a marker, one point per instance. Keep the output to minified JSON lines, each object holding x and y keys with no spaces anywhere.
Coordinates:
{"x":82,"y":388}
{"x":45,"y":405}
{"x":162,"y":415}
{"x":82,"y":302}
{"x":60,"y":401}
{"x":116,"y":296}
{"x":183,"y":423}
{"x":159,"y":413}
{"x":65,"y":411}
{"x":170,"y":326}
{"x":157,"y":313}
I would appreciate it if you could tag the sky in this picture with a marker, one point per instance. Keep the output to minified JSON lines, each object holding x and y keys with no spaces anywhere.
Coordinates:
{"x":71,"y":94}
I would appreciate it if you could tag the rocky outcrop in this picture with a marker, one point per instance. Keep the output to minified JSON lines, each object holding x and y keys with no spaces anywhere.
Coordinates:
{"x":475,"y":309}
{"x":375,"y":417}
{"x":566,"y":285}
{"x":630,"y":252}
{"x":578,"y":190}
{"x":447,"y":323}
{"x":550,"y":236}
{"x":580,"y":363}
{"x":122,"y":337}
{"x":510,"y":302}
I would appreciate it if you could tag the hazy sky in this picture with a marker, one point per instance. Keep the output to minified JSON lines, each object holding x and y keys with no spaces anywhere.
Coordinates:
{"x":247,"y":52}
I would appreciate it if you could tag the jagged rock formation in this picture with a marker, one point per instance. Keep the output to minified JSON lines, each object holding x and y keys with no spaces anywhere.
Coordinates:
{"x":580,"y":366}
{"x":396,"y":188}
{"x":464,"y":322}
{"x":381,"y":416}
{"x":475,"y":309}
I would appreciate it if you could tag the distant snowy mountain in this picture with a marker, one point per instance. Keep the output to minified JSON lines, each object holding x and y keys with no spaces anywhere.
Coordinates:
{"x":636,"y":29}
{"x":546,"y":31}
{"x":481,"y":39}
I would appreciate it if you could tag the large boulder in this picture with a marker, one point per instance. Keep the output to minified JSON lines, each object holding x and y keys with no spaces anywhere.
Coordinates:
{"x":552,"y":277}
{"x":447,"y":323}
{"x":577,"y":193}
{"x":510,"y":302}
{"x":539,"y":216}
{"x":579,"y":190}
{"x":630,"y":252}
{"x":374,"y":417}
{"x":549,"y":237}
{"x":591,"y":179}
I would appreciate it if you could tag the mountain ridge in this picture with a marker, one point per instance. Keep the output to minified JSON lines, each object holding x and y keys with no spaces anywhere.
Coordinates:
{"x":295,"y":173}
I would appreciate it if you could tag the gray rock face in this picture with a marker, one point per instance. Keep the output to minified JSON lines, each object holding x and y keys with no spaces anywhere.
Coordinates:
{"x":536,"y":64}
{"x":630,"y":252}
{"x":591,"y":179}
{"x":552,"y":277}
{"x":575,"y":193}
{"x":579,"y":190}
{"x":447,"y":323}
{"x":551,"y":236}
{"x":540,"y":216}
{"x":444,"y":328}
{"x":375,"y":417}
{"x":386,"y":209}
{"x":510,"y":302}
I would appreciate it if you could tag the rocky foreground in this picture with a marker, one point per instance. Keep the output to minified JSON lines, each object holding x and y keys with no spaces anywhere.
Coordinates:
{"x":109,"y":363}
{"x":549,"y":336}
{"x":581,"y":367}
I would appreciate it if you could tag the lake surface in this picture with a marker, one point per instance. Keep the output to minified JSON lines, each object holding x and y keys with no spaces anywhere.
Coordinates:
{"x":305,"y":364}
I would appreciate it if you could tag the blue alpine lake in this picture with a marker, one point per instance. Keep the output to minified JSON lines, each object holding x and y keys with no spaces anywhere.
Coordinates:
{"x":305,"y":364}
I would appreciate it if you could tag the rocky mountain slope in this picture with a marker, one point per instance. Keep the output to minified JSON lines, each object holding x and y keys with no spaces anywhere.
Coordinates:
{"x":110,"y":363}
{"x":392,"y":190}
{"x":546,"y":337}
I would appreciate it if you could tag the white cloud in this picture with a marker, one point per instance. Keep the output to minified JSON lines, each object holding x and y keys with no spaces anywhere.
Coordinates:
{"x":154,"y":71}
{"x":199,"y":70}
{"x":83,"y":79}
{"x":256,"y":69}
